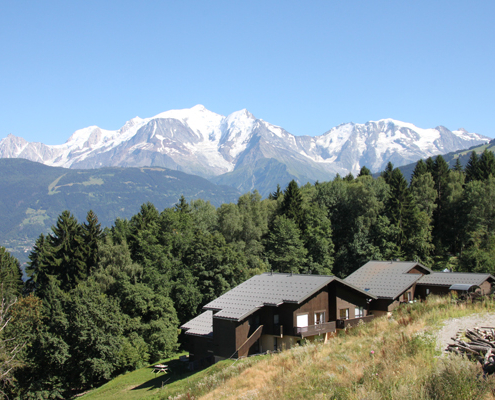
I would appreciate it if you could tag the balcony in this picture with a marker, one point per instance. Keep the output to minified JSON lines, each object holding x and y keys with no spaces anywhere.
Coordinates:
{"x":313,"y":330}
{"x":348,"y":323}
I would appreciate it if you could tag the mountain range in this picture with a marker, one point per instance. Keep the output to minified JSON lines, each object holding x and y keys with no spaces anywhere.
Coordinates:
{"x":242,"y":151}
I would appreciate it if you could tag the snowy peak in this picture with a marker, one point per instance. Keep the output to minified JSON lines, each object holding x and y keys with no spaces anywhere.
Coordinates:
{"x":201,"y":142}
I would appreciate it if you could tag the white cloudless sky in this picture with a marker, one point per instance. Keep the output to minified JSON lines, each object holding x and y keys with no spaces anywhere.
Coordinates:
{"x":306,"y":66}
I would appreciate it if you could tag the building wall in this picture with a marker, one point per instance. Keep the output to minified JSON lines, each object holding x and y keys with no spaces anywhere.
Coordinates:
{"x":316,"y":303}
{"x":418,"y":270}
{"x":486,"y":287}
{"x":421,"y":290}
{"x":267,"y":342}
{"x":348,"y":298}
{"x":383,"y":306}
{"x":199,"y":347}
{"x":224,"y":337}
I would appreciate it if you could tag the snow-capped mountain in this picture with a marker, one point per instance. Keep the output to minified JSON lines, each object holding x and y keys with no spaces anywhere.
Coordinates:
{"x":241,"y":150}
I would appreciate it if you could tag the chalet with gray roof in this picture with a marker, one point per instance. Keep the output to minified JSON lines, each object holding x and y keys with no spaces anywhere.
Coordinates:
{"x":442,"y":282}
{"x":392,"y":282}
{"x":273,"y":311}
{"x":395,"y":282}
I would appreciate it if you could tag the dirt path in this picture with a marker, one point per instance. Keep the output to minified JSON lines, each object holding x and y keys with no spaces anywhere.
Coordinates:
{"x":452,"y":326}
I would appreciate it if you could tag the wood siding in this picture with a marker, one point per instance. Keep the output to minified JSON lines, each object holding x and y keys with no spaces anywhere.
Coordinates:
{"x":224,"y":337}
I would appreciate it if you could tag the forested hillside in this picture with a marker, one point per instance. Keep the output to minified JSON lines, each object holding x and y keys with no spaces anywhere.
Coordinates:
{"x":32,"y":195}
{"x":99,"y":302}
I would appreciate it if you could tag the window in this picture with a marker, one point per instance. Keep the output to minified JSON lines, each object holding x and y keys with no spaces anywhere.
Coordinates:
{"x":344,"y":313}
{"x":276,"y":319}
{"x":359,"y":312}
{"x":319,"y":317}
{"x":409,"y":296}
{"x":302,"y":320}
{"x":427,"y":291}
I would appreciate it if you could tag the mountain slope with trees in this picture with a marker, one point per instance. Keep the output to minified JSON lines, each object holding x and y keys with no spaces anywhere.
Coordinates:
{"x":32,"y":195}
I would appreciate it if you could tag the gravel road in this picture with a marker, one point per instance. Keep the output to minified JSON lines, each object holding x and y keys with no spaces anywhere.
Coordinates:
{"x":452,"y":326}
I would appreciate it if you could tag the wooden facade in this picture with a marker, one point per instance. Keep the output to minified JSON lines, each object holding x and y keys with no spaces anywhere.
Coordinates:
{"x":279,"y":325}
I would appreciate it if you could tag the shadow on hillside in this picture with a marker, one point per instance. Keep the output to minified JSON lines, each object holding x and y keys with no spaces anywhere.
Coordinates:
{"x":177,"y":370}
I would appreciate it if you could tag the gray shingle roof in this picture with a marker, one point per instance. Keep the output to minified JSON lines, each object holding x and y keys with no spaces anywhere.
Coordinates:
{"x":385,"y":279}
{"x":451,"y":278}
{"x":202,"y":325}
{"x":269,"y":289}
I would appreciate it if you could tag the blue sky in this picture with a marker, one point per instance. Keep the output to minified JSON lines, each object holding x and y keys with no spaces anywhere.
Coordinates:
{"x":306,"y":66}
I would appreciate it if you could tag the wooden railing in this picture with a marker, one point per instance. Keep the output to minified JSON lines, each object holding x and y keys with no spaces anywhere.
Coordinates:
{"x":313,"y":330}
{"x":243,"y":350}
{"x":348,"y":323}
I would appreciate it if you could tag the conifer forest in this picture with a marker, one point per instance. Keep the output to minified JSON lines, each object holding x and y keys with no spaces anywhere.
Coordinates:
{"x":99,"y":302}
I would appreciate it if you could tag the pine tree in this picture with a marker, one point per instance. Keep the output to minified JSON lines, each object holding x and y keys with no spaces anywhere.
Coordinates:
{"x":486,"y":165}
{"x":276,"y":194}
{"x":182,"y":206}
{"x":387,"y":173}
{"x":292,"y":204}
{"x":440,"y":176}
{"x":473,"y":168}
{"x":91,"y":234}
{"x":67,"y":261}
{"x":364,"y":171}
{"x":10,"y":275}
{"x":420,"y":169}
{"x":284,"y":247}
{"x":430,"y":165}
{"x":400,"y":205}
{"x":458,"y":166}
{"x":38,"y":268}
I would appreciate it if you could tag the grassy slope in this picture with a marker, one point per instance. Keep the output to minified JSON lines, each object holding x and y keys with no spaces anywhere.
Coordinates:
{"x":385,"y":359}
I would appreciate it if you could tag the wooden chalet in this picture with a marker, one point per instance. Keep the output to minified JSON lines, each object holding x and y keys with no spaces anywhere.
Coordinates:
{"x":442,"y":282}
{"x":396,"y":282}
{"x":272,"y":311}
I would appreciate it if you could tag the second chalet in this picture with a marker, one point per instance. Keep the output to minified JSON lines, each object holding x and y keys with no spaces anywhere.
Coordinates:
{"x":272,"y":311}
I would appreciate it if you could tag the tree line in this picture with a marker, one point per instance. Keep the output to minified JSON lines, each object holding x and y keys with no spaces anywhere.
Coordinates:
{"x":99,"y":302}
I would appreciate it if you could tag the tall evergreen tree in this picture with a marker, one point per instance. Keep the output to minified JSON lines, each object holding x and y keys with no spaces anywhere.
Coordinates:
{"x":400,"y":205}
{"x":458,"y":166}
{"x":284,"y":247}
{"x":39,"y":268}
{"x":454,"y":213}
{"x":419,"y":169}
{"x":387,"y":173}
{"x":292,"y":204}
{"x":440,"y":176}
{"x":349,"y":177}
{"x":91,"y":234}
{"x":182,"y":206}
{"x":430,"y":166}
{"x":486,"y":165}
{"x":10,"y":275}
{"x":276,"y":194}
{"x":61,"y":255}
{"x":473,"y":168}
{"x":364,"y":171}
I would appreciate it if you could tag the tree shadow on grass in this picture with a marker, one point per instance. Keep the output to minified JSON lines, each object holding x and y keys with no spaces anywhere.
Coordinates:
{"x":177,"y":370}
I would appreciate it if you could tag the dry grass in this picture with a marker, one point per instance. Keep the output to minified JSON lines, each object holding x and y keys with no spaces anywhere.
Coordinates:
{"x":384,"y":359}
